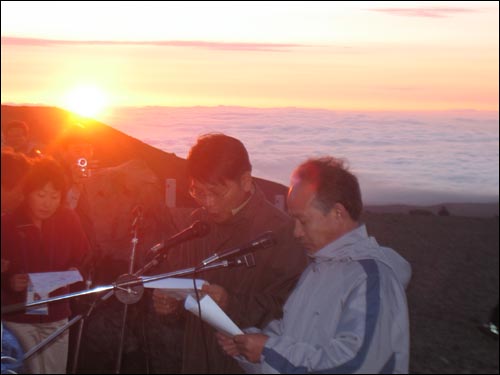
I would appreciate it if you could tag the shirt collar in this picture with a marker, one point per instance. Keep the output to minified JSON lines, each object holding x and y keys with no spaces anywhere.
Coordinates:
{"x":234,"y":211}
{"x":341,"y":246}
{"x":245,"y":210}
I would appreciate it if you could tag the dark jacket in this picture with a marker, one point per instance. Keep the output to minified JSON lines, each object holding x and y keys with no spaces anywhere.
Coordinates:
{"x":257,"y":294}
{"x":59,"y":245}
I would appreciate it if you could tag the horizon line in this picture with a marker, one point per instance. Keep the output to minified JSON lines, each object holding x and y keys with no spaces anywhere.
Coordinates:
{"x":262,"y":108}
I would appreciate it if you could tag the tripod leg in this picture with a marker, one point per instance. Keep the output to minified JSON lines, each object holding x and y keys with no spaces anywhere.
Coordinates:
{"x":77,"y":346}
{"x":52,"y":337}
{"x":122,"y":336}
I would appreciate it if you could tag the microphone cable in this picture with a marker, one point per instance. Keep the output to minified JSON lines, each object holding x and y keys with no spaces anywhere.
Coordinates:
{"x":202,"y":325}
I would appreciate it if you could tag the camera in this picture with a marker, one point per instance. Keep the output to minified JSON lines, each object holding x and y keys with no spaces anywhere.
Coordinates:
{"x":82,"y":164}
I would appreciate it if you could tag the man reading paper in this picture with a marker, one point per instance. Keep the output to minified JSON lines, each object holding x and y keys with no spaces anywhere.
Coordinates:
{"x":231,"y":202}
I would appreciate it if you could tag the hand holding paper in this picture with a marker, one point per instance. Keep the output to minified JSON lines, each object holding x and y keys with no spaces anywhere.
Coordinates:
{"x":217,"y":293}
{"x":46,"y":282}
{"x":42,"y":283}
{"x":163,"y":304}
{"x":19,"y":282}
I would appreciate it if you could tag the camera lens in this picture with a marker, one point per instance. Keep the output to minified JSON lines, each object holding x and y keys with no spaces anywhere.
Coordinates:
{"x":82,"y":162}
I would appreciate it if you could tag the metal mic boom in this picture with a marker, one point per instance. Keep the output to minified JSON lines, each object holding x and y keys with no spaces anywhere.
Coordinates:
{"x":263,"y":241}
{"x":197,"y":230}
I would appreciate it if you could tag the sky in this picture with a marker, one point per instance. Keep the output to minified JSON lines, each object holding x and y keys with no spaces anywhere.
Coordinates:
{"x":382,"y":56}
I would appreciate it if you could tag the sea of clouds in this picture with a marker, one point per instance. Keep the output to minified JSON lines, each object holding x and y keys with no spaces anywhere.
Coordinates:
{"x":399,"y":157}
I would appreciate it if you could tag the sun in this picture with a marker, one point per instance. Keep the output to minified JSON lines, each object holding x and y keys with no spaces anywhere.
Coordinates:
{"x":87,"y":101}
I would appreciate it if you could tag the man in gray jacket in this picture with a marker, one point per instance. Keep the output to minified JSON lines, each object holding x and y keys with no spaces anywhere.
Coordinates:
{"x":348,"y":312}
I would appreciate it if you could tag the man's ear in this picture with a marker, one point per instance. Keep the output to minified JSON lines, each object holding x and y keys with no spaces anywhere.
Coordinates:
{"x":246,"y":181}
{"x":339,"y":211}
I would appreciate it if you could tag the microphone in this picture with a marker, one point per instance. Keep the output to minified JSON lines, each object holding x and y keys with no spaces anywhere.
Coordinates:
{"x":197,"y":230}
{"x":263,"y":241}
{"x":137,"y":213}
{"x":158,"y":251}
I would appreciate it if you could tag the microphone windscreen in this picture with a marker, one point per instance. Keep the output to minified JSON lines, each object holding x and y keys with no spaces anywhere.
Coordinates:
{"x":267,"y":239}
{"x":201,"y":228}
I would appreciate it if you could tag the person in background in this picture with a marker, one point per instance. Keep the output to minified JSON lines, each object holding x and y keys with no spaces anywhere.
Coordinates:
{"x":348,"y":313}
{"x":75,"y":153}
{"x":236,"y":211}
{"x":15,"y":166}
{"x":41,"y":236}
{"x":16,"y":135}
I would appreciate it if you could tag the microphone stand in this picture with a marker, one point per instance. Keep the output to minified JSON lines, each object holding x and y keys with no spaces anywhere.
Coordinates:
{"x":135,"y":225}
{"x":76,"y":354}
{"x":50,"y":338}
{"x":120,"y":285}
{"x":124,"y":293}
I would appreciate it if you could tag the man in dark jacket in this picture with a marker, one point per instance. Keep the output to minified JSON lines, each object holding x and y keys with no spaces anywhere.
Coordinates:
{"x":237,"y":212}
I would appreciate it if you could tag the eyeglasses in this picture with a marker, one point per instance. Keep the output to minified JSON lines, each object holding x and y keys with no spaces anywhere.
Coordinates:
{"x":203,"y":195}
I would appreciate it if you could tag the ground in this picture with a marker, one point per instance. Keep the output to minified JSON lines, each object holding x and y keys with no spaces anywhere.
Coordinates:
{"x":453,"y":288}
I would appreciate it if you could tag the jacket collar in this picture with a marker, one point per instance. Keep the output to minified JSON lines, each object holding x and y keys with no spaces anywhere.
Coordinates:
{"x":342,"y":247}
{"x":247,"y":211}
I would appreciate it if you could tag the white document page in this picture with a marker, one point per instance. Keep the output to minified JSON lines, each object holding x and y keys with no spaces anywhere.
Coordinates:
{"x":177,"y":288}
{"x":212,"y":314}
{"x":42,"y":283}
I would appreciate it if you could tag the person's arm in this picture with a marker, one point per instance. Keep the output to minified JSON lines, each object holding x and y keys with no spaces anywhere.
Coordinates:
{"x":14,"y":279}
{"x":228,"y":344}
{"x":5,"y":265}
{"x":19,"y":282}
{"x":344,"y":351}
{"x":71,"y":229}
{"x":80,"y":243}
{"x":231,"y":346}
{"x":95,"y":254}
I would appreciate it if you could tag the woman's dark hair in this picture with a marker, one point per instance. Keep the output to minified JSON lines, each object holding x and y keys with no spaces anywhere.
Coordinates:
{"x":43,"y":171}
{"x":333,"y":184}
{"x":15,"y":166}
{"x":216,"y":158}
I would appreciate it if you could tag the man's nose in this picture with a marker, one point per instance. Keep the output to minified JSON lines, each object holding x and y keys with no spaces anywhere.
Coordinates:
{"x":298,"y":231}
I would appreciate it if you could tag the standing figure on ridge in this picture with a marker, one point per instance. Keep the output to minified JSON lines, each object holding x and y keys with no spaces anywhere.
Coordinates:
{"x":16,"y":135}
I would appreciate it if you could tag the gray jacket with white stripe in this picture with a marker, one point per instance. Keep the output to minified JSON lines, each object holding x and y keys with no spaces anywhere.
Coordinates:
{"x":347,"y":314}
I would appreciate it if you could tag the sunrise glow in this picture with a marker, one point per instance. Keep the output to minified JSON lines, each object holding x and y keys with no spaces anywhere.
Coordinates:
{"x":87,"y":101}
{"x":358,"y":55}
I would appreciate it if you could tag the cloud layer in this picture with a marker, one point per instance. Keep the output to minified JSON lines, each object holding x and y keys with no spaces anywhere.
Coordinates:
{"x":427,"y":12}
{"x":417,"y":158}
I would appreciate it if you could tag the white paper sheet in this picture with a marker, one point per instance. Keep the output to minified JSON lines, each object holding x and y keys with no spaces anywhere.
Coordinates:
{"x":42,"y":283}
{"x":212,"y":314}
{"x":177,"y":288}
